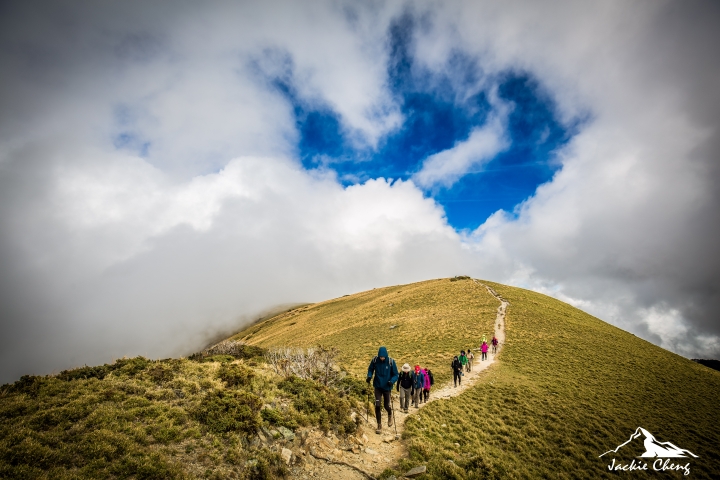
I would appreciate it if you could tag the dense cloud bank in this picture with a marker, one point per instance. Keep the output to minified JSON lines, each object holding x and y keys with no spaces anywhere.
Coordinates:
{"x":151,"y":197}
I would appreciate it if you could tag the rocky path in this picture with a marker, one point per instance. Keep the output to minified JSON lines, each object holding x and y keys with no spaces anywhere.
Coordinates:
{"x":366,"y":454}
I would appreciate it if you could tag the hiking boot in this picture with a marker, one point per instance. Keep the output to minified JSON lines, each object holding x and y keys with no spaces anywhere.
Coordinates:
{"x":379,"y":429}
{"x":390,"y":421}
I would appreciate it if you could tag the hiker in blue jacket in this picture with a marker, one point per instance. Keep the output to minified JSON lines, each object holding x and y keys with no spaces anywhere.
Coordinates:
{"x":386,"y":374}
{"x":418,"y":385}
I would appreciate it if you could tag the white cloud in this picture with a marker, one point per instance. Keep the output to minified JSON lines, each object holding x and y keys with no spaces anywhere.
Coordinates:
{"x":445,"y":168}
{"x":106,"y":253}
{"x":144,"y":265}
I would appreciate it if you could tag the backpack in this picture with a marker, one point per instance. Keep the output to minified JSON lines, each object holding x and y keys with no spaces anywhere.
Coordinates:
{"x":432,"y":380}
{"x":390,"y":360}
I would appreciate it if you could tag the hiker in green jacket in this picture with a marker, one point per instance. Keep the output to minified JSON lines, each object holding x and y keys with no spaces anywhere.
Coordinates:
{"x":463,"y":359}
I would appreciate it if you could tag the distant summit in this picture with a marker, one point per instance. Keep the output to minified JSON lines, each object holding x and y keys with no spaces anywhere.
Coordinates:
{"x":653,"y":448}
{"x":714,"y":364}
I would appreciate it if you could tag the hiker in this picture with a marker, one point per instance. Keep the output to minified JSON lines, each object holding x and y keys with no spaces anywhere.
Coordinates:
{"x":405,"y":387}
{"x":386,"y":374}
{"x":470,"y":357}
{"x":457,"y":371}
{"x":426,"y":386}
{"x":418,"y":385}
{"x":494,"y":344}
{"x":484,"y":350}
{"x":429,"y":382}
{"x":484,"y":338}
{"x":463,"y":361}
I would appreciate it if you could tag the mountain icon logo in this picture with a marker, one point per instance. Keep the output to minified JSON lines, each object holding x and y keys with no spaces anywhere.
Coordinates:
{"x":653,"y":448}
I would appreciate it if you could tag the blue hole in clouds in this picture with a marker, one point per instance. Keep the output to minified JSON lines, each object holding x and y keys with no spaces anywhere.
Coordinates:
{"x":513,"y":175}
{"x":431,"y":125}
{"x":320,"y":136}
{"x":439,"y":111}
{"x":132,"y":142}
{"x":319,"y":127}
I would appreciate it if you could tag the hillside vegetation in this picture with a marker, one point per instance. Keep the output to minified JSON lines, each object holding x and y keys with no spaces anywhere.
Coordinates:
{"x":211,"y":417}
{"x":422,"y":323}
{"x":568,"y":386}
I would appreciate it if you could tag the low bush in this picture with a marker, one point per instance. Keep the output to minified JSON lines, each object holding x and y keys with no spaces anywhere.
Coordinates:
{"x":229,"y":411}
{"x":265,"y":465}
{"x":319,"y":405}
{"x":235,"y":375}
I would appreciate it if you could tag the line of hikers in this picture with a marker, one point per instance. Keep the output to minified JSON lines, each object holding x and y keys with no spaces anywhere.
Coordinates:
{"x":465,"y":360}
{"x":411,"y":383}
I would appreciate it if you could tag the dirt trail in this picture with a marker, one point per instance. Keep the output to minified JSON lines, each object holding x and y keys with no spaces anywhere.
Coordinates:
{"x":368,"y":454}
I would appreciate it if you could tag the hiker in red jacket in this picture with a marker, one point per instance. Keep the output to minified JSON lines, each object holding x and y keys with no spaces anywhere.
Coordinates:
{"x":494,"y":344}
{"x":484,"y":350}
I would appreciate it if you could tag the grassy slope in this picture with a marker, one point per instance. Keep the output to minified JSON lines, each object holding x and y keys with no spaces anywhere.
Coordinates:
{"x":435,"y":320}
{"x":569,"y":386}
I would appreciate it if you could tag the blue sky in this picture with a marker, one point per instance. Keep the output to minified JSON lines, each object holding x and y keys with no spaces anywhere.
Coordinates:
{"x":439,"y":110}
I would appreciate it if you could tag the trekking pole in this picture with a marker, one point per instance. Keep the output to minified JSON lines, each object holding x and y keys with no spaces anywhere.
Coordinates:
{"x":367,"y":406}
{"x":392,"y":398}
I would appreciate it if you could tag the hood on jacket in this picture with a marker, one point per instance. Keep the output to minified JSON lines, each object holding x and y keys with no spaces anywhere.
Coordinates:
{"x":455,"y":358}
{"x":382,"y":352}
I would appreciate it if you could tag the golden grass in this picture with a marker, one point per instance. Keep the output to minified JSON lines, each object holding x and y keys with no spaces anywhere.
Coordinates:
{"x":568,"y":388}
{"x":433,"y":321}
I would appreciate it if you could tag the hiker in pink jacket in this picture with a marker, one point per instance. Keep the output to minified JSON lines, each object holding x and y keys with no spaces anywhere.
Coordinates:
{"x":426,"y":386}
{"x":484,"y":350}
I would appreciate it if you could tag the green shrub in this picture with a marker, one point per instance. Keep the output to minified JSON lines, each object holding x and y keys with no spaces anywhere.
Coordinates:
{"x":131,"y":366}
{"x":271,"y":415}
{"x":29,"y":384}
{"x":219,"y":358}
{"x":266,"y":465}
{"x":353,"y":387}
{"x":85,"y":372}
{"x":160,"y":373}
{"x":460,"y":277}
{"x":227,"y":411}
{"x":235,"y":375}
{"x":288,"y":418}
{"x":146,"y":467}
{"x":321,"y":405}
